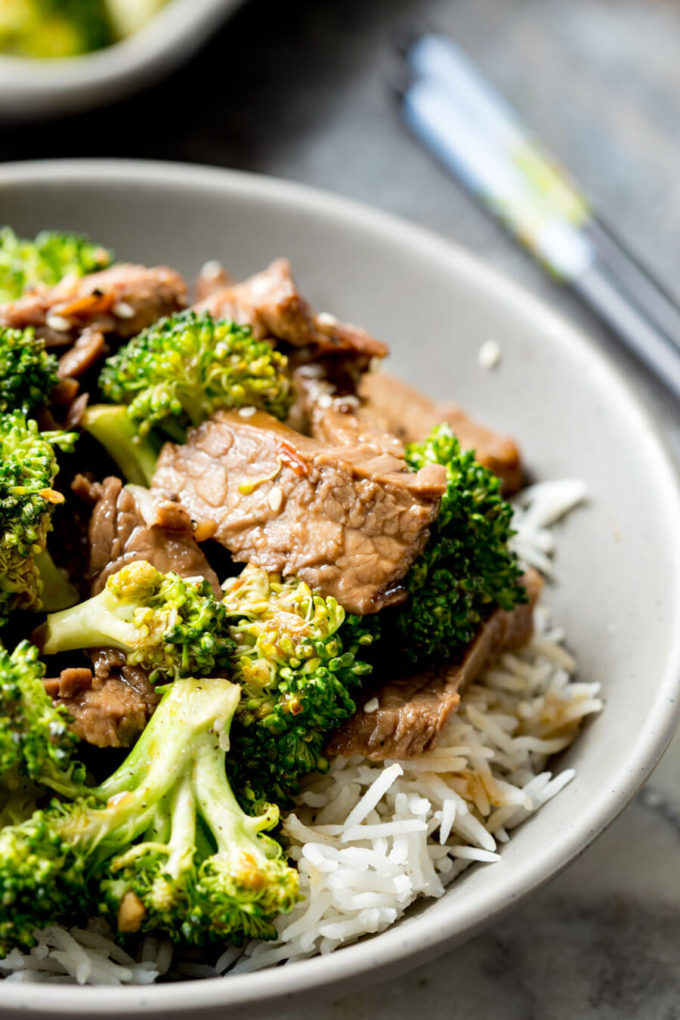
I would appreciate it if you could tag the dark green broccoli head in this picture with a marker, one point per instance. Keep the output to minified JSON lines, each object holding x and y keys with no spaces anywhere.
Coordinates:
{"x":27,"y":372}
{"x":467,"y":569}
{"x":35,"y":740}
{"x":168,"y":624}
{"x":47,"y":259}
{"x":160,"y":845}
{"x":28,"y":466}
{"x":297,"y":680}
{"x":179,"y":371}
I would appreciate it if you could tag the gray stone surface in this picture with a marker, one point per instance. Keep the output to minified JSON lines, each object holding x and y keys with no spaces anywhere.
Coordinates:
{"x":301,"y":90}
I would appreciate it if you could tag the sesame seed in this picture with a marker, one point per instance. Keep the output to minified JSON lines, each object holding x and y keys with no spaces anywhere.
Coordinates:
{"x":326,"y":319}
{"x":123,"y":310}
{"x":212,"y":270}
{"x":247,"y":412}
{"x":275,"y":499}
{"x":58,"y":323}
{"x":371,"y":706}
{"x":489,"y":354}
{"x":325,"y":400}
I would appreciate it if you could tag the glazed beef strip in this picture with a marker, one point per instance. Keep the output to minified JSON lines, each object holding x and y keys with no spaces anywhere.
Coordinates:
{"x":129,"y":523}
{"x":121,"y":300}
{"x":272,"y":306}
{"x":110,"y":703}
{"x":348,"y":520}
{"x":87,"y":351}
{"x":331,"y":411}
{"x":392,"y":405}
{"x":412,"y":712}
{"x":212,"y":278}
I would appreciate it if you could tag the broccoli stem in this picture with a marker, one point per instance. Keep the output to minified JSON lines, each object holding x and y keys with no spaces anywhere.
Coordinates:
{"x":111,"y":426}
{"x":181,"y":844}
{"x":233,"y":830}
{"x":159,"y":765}
{"x":189,"y":710}
{"x":101,"y":622}
{"x":57,"y":590}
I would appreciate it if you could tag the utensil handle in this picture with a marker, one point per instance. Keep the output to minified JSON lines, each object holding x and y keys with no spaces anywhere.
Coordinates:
{"x":614,"y":307}
{"x":462,"y":119}
{"x":500,"y":185}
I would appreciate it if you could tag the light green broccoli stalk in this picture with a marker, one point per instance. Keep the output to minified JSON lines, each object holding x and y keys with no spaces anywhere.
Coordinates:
{"x":170,"y":625}
{"x":161,"y":845}
{"x":297,"y":675}
{"x":52,"y":255}
{"x":28,"y":466}
{"x":35,"y":740}
{"x":467,"y":569}
{"x":111,"y":426}
{"x":175,"y":374}
{"x":27,"y":372}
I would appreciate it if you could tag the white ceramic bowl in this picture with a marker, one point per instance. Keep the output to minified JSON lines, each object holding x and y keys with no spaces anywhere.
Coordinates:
{"x":30,"y":88}
{"x":619,"y":558}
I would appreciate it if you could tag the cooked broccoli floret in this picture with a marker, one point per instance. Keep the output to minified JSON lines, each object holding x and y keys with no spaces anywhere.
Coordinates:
{"x":27,"y":372}
{"x":467,"y":569}
{"x":28,"y":466}
{"x":297,"y":677}
{"x":160,"y":845}
{"x":170,"y":625}
{"x":47,"y":259}
{"x":176,"y":374}
{"x":178,"y":371}
{"x":35,"y":740}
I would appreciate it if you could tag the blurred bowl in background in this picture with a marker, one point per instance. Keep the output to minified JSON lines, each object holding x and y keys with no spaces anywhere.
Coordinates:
{"x":31,"y":87}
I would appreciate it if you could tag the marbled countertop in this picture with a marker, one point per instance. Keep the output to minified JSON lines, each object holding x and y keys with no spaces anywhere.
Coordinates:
{"x":299,"y":89}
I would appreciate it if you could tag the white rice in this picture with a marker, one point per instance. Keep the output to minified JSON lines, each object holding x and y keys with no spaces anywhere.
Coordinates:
{"x":369,"y":838}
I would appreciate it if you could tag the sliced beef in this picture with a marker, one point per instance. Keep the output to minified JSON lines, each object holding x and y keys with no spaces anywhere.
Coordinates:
{"x":212,"y":278}
{"x":388,"y":403}
{"x":70,"y":683}
{"x":75,"y":411}
{"x":272,"y":306}
{"x":412,"y":712}
{"x":348,"y":520}
{"x":89,"y":348}
{"x":129,"y":523}
{"x":64,"y":393}
{"x":121,"y":300}
{"x":110,"y":704}
{"x":330,"y":410}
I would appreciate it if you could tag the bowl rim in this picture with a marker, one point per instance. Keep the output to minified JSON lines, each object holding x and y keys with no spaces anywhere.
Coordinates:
{"x":397,"y":947}
{"x":31,"y":86}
